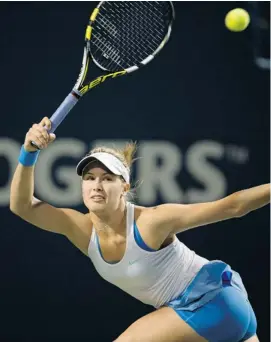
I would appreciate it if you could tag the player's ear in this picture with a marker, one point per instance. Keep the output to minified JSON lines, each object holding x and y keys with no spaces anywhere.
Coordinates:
{"x":126,"y":188}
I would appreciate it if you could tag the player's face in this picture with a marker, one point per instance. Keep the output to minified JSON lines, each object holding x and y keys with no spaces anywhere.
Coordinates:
{"x":101,"y":189}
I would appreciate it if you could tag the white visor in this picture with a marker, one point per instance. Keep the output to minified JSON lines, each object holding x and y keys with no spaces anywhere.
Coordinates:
{"x":107,"y":159}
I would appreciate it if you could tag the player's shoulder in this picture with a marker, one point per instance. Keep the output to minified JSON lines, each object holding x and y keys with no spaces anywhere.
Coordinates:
{"x":147,"y":210}
{"x":81,"y":222}
{"x":78,"y":217}
{"x":149,"y":220}
{"x":76,"y":213}
{"x":144,"y":214}
{"x":87,"y":217}
{"x":156,"y":215}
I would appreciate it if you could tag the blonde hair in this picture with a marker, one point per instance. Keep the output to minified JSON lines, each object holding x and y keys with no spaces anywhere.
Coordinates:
{"x":125,"y":155}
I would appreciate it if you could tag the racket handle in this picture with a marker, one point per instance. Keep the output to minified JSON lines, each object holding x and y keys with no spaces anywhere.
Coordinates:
{"x":62,"y":111}
{"x":60,"y":114}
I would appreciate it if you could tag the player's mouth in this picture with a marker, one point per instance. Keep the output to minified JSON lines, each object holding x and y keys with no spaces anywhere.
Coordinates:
{"x":97,"y":198}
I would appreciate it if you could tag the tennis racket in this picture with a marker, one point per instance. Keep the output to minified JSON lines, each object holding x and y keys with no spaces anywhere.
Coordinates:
{"x":121,"y":37}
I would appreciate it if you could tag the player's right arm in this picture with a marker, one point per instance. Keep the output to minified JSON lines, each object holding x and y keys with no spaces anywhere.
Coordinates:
{"x":22,"y":200}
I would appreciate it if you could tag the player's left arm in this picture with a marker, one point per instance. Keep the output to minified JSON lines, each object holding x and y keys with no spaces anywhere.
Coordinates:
{"x":176,"y":218}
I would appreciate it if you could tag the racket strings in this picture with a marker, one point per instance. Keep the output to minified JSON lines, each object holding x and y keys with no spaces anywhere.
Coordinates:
{"x":125,"y":33}
{"x":142,"y":21}
{"x":139,"y":20}
{"x":107,"y":51}
{"x":103,"y":44}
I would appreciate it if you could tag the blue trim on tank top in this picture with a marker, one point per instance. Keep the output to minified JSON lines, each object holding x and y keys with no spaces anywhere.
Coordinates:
{"x":138,"y":240}
{"x":100,"y":251}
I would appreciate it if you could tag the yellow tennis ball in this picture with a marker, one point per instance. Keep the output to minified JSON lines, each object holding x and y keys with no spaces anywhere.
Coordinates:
{"x":237,"y":20}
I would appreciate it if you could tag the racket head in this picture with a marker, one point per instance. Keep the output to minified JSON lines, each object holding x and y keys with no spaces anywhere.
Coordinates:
{"x":126,"y":35}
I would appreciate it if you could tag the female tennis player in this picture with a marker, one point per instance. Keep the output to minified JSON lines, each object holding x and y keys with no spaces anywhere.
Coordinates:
{"x":136,"y":248}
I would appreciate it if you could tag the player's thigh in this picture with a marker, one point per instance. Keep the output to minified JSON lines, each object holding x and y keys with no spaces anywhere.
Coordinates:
{"x":162,"y":325}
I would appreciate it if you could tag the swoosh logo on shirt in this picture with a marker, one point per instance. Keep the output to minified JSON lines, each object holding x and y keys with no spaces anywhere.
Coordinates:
{"x":133,"y":261}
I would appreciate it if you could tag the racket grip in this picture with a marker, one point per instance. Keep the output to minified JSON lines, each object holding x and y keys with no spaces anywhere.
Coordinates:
{"x":60,"y":114}
{"x":62,"y":111}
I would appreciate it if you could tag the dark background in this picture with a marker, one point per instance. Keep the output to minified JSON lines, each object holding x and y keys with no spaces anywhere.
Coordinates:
{"x":206,"y":85}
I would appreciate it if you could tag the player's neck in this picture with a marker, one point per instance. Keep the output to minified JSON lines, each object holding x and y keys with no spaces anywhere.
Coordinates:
{"x":111,"y":222}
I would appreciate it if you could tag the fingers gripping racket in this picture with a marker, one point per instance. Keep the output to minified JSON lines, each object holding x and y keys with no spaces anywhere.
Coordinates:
{"x":121,"y":36}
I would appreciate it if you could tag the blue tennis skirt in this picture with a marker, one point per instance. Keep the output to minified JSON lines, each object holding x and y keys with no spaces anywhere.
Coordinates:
{"x":216,"y":305}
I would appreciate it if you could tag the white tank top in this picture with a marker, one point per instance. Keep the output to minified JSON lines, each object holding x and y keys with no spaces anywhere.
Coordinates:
{"x":154,"y":278}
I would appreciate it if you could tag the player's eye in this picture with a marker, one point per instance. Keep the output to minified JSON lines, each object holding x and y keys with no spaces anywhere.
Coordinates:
{"x":88,"y":177}
{"x":108,"y":179}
